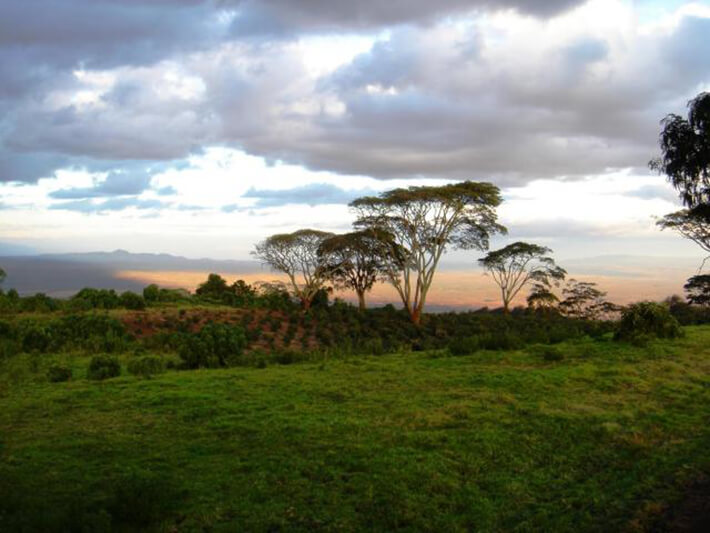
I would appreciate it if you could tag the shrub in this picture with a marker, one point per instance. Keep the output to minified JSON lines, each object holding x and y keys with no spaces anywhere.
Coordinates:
{"x":214,"y":346}
{"x":103,"y":367}
{"x":464,"y":345}
{"x":548,"y":353}
{"x":645,"y":320}
{"x":131,"y":300}
{"x":58,"y":373}
{"x":503,"y":340}
{"x":146,"y":366}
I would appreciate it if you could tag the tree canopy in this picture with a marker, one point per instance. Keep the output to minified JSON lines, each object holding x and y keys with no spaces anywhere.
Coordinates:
{"x":697,"y":289}
{"x":582,"y":299}
{"x":296,"y":255}
{"x":514,"y":266}
{"x":356,"y":260}
{"x":685,"y":147}
{"x":424,"y":222}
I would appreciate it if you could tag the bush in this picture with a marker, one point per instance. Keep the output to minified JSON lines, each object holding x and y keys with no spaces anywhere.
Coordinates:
{"x":59,"y":373}
{"x":146,"y":366}
{"x":548,"y":353}
{"x":645,"y":320}
{"x":464,"y":345}
{"x":214,"y":346}
{"x":103,"y":367}
{"x":131,"y":300}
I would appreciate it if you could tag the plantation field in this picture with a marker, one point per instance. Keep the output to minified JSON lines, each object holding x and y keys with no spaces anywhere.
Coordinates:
{"x":608,"y":438}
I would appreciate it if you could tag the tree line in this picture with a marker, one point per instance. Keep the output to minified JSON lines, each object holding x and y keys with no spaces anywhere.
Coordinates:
{"x":400,"y":236}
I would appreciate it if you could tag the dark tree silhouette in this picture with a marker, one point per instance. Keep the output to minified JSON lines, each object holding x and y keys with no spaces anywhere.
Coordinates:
{"x":697,"y":289}
{"x":685,"y":147}
{"x":424,"y":221}
{"x":685,"y":160}
{"x":582,"y":299}
{"x":518,"y":264}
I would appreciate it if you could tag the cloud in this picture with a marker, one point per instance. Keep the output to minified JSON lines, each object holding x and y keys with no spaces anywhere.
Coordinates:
{"x":112,"y":204}
{"x":313,"y":194}
{"x":115,"y":184}
{"x":449,"y":91}
{"x":278,"y":17}
{"x":654,"y":192}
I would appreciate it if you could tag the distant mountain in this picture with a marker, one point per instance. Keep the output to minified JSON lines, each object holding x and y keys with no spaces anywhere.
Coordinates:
{"x":64,"y":274}
{"x":123,"y":260}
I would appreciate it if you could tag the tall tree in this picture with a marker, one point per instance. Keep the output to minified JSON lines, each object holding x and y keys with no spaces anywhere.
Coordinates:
{"x":424,"y":222}
{"x":2,"y":275}
{"x":356,"y":260}
{"x":296,"y":255}
{"x":518,"y":264}
{"x":685,"y":160}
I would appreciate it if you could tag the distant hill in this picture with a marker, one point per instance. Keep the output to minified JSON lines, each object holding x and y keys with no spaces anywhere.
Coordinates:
{"x":64,"y":274}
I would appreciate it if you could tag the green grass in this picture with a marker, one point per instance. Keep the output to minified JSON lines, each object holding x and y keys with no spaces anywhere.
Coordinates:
{"x":603,"y":440}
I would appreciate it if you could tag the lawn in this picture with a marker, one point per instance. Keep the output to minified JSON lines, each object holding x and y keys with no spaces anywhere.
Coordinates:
{"x":607,"y":439}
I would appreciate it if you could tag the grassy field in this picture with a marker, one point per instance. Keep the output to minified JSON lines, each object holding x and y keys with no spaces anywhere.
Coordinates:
{"x":607,"y":439}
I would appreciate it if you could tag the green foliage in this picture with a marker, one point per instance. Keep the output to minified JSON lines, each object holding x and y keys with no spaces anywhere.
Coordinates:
{"x":97,"y":298}
{"x":151,"y":293}
{"x":546,"y":352}
{"x":146,"y":366}
{"x":216,"y":345}
{"x":59,"y":373}
{"x":647,"y":320}
{"x":103,"y":367}
{"x":131,"y":300}
{"x":464,"y":345}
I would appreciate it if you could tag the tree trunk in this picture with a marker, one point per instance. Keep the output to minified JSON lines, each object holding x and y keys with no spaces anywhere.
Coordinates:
{"x":416,"y":316}
{"x":306,"y":303}
{"x":361,"y":300}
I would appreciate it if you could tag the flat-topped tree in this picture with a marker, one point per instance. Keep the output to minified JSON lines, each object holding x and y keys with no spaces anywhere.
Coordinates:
{"x":356,"y":260}
{"x":424,"y":222}
{"x":296,"y":255}
{"x":518,"y":264}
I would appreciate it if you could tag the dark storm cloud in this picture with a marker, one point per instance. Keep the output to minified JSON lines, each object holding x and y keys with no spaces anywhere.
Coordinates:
{"x":419,"y":103}
{"x":313,"y":194}
{"x":279,"y":17}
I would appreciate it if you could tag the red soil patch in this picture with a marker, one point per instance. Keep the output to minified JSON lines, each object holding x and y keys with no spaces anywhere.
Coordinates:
{"x":274,"y":325}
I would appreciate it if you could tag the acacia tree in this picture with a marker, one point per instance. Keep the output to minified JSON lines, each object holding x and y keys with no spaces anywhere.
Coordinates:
{"x":697,"y":289}
{"x":541,"y":297}
{"x":685,"y":160}
{"x":356,"y":260}
{"x":296,"y":255}
{"x":514,"y":266}
{"x":423,"y":223}
{"x":582,"y":299}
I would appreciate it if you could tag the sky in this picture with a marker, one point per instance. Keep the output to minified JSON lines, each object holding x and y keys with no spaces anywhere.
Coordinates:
{"x":198,"y":128}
